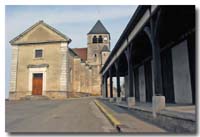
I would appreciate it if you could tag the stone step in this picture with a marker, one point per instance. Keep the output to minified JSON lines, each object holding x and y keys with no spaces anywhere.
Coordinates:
{"x":35,"y":97}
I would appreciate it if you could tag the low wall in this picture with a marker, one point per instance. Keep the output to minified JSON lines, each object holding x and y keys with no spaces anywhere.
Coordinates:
{"x":50,"y":95}
{"x":56,"y":94}
{"x":173,"y":123}
{"x":16,"y":95}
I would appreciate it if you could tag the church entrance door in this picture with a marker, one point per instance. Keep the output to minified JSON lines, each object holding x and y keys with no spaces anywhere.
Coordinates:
{"x":37,"y":84}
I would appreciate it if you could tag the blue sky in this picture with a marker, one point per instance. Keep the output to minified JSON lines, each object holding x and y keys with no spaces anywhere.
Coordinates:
{"x":73,"y":21}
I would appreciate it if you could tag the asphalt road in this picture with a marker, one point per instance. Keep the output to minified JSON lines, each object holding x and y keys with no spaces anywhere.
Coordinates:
{"x":75,"y":115}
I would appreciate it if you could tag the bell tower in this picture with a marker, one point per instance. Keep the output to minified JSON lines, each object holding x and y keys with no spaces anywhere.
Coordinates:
{"x":97,"y":38}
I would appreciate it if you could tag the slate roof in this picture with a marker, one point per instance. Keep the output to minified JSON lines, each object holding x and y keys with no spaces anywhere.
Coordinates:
{"x":81,"y":52}
{"x":98,"y":28}
{"x":105,"y":49}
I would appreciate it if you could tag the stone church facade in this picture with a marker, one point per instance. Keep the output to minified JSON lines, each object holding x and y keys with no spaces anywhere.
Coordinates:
{"x":43,"y":64}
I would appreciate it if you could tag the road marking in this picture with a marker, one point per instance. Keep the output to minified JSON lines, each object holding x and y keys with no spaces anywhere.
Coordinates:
{"x":110,"y":116}
{"x":107,"y":126}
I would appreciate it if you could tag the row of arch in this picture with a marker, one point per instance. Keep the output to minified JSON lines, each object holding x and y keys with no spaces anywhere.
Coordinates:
{"x":96,"y":39}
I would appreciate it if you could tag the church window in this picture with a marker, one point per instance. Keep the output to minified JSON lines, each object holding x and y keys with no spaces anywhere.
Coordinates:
{"x":94,"y":40}
{"x":100,"y":39}
{"x":38,"y":53}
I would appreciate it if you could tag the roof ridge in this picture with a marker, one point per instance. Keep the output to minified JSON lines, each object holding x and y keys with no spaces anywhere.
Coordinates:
{"x":35,"y":25}
{"x":26,"y":31}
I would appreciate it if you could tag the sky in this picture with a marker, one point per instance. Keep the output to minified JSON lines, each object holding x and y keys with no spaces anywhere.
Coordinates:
{"x":73,"y":21}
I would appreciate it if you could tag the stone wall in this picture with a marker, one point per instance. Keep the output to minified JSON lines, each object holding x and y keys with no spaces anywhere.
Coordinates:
{"x":14,"y":69}
{"x":56,"y":94}
{"x":94,"y":49}
{"x":51,"y":56}
{"x":181,"y":72}
{"x":85,"y":78}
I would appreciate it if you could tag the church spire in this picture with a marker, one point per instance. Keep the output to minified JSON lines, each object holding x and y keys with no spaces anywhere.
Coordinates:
{"x":98,"y":28}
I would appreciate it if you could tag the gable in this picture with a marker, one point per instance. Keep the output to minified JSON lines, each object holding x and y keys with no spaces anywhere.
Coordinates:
{"x":40,"y":33}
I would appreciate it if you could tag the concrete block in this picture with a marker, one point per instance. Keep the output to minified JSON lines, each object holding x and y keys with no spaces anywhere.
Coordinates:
{"x":118,"y":99}
{"x":158,"y":104}
{"x":131,"y":102}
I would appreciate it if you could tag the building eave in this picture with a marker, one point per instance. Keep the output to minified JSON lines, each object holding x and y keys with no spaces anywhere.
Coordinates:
{"x":131,"y":24}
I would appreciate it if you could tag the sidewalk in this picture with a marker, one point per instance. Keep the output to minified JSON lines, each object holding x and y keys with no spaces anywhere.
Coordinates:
{"x":129,"y":123}
{"x":187,"y":112}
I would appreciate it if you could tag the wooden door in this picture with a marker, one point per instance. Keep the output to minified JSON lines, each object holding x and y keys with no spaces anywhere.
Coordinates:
{"x":37,"y":84}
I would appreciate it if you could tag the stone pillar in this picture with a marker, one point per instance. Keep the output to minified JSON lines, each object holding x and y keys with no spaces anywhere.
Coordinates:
{"x":152,"y":33}
{"x":82,"y":77}
{"x":87,"y":78}
{"x":13,"y":75}
{"x":76,"y":74}
{"x":64,"y":70}
{"x":90,"y":80}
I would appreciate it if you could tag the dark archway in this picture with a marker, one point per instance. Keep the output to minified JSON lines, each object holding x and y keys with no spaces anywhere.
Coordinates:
{"x":100,"y":39}
{"x":94,"y":39}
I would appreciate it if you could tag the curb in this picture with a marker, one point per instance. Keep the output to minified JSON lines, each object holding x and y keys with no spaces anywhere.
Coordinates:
{"x":110,"y":117}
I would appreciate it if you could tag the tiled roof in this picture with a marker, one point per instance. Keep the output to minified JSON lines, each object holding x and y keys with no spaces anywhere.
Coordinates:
{"x":81,"y":52}
{"x":98,"y":29}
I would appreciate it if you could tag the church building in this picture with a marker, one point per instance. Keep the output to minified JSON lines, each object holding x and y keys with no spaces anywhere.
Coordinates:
{"x":43,"y":64}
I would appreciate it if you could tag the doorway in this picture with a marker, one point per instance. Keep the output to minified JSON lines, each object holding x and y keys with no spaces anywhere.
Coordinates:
{"x":37,"y":84}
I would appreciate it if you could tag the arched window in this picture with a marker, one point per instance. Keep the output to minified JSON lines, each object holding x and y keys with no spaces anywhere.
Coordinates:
{"x":95,"y":57}
{"x":100,"y":39}
{"x":94,"y":40}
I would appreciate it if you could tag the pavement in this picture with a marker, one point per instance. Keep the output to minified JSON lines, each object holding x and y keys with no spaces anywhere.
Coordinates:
{"x":71,"y":116}
{"x":128,"y":122}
